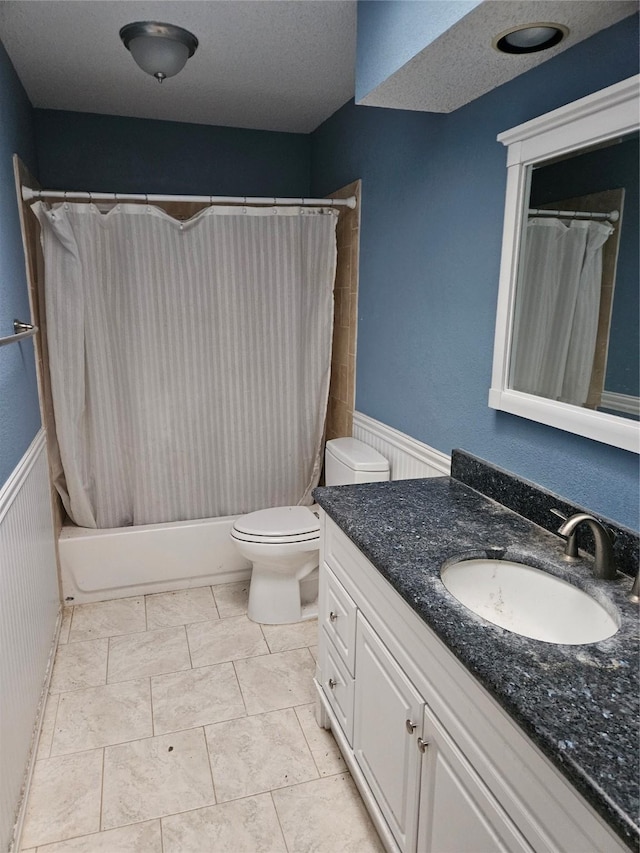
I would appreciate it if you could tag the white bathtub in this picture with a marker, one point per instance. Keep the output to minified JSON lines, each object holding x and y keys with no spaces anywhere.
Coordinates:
{"x":97,"y":565}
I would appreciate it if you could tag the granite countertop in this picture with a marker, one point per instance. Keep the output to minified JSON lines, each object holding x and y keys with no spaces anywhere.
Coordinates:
{"x":579,"y":704}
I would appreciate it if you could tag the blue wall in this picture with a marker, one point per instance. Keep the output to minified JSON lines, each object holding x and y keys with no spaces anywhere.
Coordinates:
{"x":391,"y":32}
{"x":19,"y":411}
{"x":114,"y":154}
{"x":432,"y":213}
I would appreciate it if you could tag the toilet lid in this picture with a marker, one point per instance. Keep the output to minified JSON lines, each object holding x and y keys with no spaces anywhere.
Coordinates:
{"x":279,"y":521}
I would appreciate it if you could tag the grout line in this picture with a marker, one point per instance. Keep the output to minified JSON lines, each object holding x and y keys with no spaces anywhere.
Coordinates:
{"x":304,"y":735}
{"x":213,"y":781}
{"x":186,"y":634}
{"x":102,"y":788}
{"x":146,"y":614}
{"x":275,"y":808}
{"x":153,"y":720}
{"x":215,"y":603}
{"x":161,"y":835}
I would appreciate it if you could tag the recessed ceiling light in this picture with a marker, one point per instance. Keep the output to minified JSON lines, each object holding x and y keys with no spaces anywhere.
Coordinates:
{"x":530,"y":38}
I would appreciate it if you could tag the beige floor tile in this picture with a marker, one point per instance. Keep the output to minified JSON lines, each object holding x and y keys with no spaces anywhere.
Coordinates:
{"x":99,"y":716}
{"x":314,"y":652}
{"x":243,"y":826}
{"x":151,"y":653}
{"x":225,"y":640}
{"x":325,"y":816}
{"x":276,"y":681}
{"x":166,"y":609}
{"x":231,"y":598}
{"x":324,"y":749}
{"x":257,"y":754}
{"x":184,"y":700}
{"x":80,"y":665}
{"x":155,"y":777}
{"x":46,"y":730}
{"x":107,"y":619}
{"x":65,"y":626}
{"x":64,"y":798}
{"x":138,"y":838}
{"x":283,"y":638}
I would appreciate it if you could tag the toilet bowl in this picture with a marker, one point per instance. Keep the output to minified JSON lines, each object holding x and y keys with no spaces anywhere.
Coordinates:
{"x":283,"y":544}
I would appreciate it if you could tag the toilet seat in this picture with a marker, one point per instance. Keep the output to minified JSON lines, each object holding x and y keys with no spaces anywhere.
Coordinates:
{"x":278,"y":525}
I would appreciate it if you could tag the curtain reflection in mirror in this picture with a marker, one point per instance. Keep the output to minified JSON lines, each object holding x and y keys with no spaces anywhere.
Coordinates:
{"x":557,"y":308}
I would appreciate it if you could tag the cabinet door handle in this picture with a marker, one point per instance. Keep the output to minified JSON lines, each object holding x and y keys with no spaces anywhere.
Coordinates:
{"x":411,"y":727}
{"x":333,"y":616}
{"x":332,"y":683}
{"x":422,"y":744}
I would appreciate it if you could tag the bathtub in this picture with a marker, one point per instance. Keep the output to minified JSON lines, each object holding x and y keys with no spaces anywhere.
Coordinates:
{"x":96,"y":565}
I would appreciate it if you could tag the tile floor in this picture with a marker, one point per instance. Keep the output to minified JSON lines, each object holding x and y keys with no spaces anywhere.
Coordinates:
{"x":176,"y":725}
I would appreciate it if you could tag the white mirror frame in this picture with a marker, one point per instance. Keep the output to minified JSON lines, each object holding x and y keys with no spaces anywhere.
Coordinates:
{"x":612,"y":112}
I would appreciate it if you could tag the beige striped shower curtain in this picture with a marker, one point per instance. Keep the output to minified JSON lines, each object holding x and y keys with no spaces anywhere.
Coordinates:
{"x":189,"y":361}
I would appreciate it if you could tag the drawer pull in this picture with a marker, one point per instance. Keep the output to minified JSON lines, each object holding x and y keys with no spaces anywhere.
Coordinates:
{"x":422,"y":744}
{"x":411,"y":727}
{"x":332,"y":683}
{"x":333,"y":616}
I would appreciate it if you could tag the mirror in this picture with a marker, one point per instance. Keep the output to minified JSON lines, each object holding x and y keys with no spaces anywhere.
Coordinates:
{"x":567,"y":343}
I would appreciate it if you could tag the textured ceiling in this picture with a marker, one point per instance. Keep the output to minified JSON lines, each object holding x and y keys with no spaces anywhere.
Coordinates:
{"x":461,"y":65}
{"x":265,"y":64}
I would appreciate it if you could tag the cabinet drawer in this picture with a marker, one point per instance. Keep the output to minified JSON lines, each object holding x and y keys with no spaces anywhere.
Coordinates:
{"x":338,"y":685}
{"x":338,"y":617}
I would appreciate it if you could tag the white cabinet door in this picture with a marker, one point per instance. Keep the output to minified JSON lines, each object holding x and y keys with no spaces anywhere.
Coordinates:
{"x":458,"y":813}
{"x":387,"y":724}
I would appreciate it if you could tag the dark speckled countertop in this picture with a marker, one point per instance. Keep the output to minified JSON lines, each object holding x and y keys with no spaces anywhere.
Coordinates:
{"x":579,"y":704}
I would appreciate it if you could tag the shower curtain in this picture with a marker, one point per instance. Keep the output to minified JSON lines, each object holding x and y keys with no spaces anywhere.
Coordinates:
{"x":557,"y":307}
{"x":189,"y":361}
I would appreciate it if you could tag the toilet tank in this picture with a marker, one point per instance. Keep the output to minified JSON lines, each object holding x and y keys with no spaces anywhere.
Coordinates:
{"x":347,"y":460}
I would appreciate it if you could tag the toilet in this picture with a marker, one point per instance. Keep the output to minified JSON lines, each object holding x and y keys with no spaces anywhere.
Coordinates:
{"x":283,"y":542}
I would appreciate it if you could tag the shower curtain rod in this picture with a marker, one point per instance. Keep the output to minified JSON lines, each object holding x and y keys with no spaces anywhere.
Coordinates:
{"x":612,"y":216}
{"x":28,"y":193}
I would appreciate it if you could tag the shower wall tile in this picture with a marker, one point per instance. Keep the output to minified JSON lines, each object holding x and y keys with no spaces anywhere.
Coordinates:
{"x":342,"y":386}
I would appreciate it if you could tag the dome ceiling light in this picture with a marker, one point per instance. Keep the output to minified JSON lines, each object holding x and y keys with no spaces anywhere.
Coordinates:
{"x":530,"y":38}
{"x":159,"y":49}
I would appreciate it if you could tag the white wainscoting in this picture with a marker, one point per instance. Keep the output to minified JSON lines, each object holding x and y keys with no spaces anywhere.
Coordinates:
{"x":29,"y":609}
{"x":408,"y":458}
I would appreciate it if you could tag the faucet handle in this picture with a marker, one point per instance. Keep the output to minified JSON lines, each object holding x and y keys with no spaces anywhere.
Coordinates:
{"x":558,"y":513}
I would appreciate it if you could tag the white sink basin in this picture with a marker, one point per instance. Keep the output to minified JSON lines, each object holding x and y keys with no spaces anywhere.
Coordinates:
{"x":528,"y":601}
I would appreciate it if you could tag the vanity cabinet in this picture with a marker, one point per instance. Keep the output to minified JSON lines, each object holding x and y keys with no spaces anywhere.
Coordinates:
{"x":440,"y":765}
{"x":387,"y":724}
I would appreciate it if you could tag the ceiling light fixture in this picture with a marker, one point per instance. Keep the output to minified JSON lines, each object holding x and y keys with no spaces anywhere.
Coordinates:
{"x":161,"y":50}
{"x":530,"y":38}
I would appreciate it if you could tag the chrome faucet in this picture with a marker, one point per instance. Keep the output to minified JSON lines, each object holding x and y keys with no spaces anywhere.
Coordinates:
{"x":604,"y":565}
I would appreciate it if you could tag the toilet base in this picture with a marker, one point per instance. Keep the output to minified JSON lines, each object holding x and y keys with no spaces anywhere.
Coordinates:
{"x":274,"y":597}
